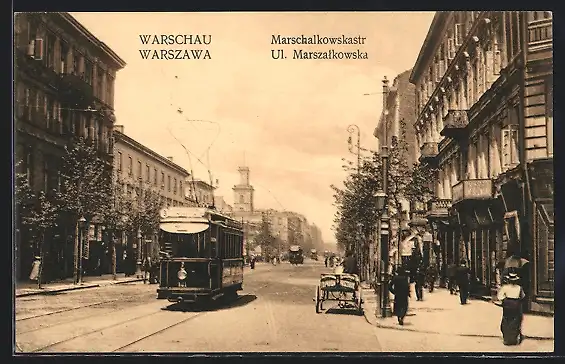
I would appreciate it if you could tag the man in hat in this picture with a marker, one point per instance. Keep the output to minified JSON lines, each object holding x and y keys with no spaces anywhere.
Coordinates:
{"x":511,"y":295}
{"x":462,"y":277}
{"x":400,"y":288}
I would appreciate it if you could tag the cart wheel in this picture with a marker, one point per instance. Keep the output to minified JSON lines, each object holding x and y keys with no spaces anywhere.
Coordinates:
{"x":318,"y":300}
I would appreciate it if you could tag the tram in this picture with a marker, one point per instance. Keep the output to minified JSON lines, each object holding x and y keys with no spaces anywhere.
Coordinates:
{"x":202,"y":255}
{"x":313,"y":254}
{"x":296,"y":255}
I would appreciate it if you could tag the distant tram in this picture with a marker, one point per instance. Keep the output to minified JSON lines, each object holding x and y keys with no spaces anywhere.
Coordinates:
{"x":296,"y":255}
{"x":313,"y":254}
{"x":202,"y":255}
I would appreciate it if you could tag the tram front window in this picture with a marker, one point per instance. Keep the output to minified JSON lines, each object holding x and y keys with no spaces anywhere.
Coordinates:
{"x":183,"y":245}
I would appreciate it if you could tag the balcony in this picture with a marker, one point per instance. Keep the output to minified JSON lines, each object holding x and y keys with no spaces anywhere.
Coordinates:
{"x":37,"y":69}
{"x":438,"y":208}
{"x":454,"y":123}
{"x":540,"y":34}
{"x":429,"y":153}
{"x":472,"y":189}
{"x":418,"y":219}
{"x":75,"y":88}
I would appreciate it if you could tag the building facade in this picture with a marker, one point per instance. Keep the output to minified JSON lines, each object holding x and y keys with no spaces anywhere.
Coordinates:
{"x":138,"y":169}
{"x":64,"y":89}
{"x":485,"y":121}
{"x":200,"y":192}
{"x":243,"y":192}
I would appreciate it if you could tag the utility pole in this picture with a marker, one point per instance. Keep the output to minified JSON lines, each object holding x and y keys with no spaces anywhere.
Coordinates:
{"x":358,"y":246}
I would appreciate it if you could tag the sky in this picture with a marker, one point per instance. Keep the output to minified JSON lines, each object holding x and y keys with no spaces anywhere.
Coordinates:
{"x":285,"y":119}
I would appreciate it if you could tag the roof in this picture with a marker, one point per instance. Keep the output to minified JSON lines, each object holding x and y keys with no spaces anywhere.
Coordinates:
{"x":118,"y":61}
{"x":429,"y":44}
{"x":121,"y":137}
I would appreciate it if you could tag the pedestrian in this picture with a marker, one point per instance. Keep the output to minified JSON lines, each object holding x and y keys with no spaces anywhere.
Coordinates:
{"x":35,"y":265}
{"x":399,"y":286}
{"x":451,"y":283}
{"x":431,"y":277}
{"x":420,"y":278}
{"x":350,"y":263}
{"x":510,"y":295}
{"x":252,"y":262}
{"x":462,"y":277}
{"x":326,"y":261}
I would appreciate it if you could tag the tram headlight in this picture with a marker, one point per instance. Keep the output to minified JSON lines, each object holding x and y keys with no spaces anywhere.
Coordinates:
{"x":182,"y":274}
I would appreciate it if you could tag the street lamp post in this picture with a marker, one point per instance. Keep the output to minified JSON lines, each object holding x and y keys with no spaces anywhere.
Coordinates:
{"x":383,"y":196}
{"x":82,"y":222}
{"x":352,"y":128}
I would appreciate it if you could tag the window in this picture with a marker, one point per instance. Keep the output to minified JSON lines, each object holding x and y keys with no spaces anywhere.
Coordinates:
{"x":139,"y":169}
{"x":147,"y":173}
{"x":99,"y":84}
{"x":119,"y":161}
{"x":549,"y":115}
{"x":130,"y":166}
{"x":475,"y":86}
{"x":181,"y":191}
{"x":459,"y":35}
{"x":110,"y":90}
{"x":241,"y":199}
{"x":162,"y":180}
{"x":155,"y":176}
{"x":451,"y":49}
{"x":510,"y":156}
{"x":50,"y":50}
{"x":88,"y":72}
{"x":169,"y":183}
{"x":76,"y":62}
{"x":175,"y":186}
{"x":64,"y":54}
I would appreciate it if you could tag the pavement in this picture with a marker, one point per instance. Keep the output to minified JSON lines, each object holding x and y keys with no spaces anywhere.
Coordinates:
{"x":30,"y":289}
{"x":442,"y":313}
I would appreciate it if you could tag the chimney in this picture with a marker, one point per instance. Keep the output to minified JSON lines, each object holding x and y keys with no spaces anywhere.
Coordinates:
{"x":119,"y":128}
{"x":170,"y":158}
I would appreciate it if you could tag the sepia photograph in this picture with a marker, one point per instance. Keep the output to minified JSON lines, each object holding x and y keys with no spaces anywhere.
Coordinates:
{"x":283,"y":182}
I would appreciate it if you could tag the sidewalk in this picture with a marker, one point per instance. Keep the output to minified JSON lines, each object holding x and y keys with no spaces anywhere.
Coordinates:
{"x":442,"y":313}
{"x":30,"y":289}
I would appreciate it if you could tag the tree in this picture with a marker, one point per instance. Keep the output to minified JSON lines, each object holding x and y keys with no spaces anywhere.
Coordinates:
{"x":86,"y":186}
{"x":38,"y":213}
{"x":357,"y":214}
{"x":264,"y":237}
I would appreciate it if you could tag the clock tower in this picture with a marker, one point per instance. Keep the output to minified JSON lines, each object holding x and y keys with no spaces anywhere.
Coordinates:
{"x":243,"y":192}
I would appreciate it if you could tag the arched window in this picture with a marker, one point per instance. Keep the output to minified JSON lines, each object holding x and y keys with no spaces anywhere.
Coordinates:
{"x":241,"y":199}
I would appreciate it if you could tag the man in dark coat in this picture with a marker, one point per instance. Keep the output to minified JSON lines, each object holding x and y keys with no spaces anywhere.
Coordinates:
{"x":350,"y":264}
{"x":400,"y":288}
{"x":462,"y":277}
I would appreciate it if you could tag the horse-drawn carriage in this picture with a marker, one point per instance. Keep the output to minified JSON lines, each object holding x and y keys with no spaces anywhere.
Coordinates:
{"x":343,"y":288}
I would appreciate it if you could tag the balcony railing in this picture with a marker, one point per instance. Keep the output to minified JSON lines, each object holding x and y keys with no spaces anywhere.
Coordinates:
{"x":454,"y":123}
{"x":76,"y":87}
{"x":429,"y":152}
{"x":439,"y":208}
{"x":540,"y":33}
{"x":472,"y":189}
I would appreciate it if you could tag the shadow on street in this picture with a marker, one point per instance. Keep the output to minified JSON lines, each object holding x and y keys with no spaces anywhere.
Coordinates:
{"x":343,"y":311}
{"x":213,"y":306}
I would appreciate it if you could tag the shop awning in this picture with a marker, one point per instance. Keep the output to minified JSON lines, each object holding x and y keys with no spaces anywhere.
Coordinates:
{"x":184,"y":228}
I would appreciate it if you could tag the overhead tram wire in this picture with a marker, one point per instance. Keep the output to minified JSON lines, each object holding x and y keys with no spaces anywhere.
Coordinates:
{"x":207,"y":150}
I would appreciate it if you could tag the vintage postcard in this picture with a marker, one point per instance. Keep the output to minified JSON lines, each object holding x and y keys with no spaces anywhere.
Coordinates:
{"x":283,"y":182}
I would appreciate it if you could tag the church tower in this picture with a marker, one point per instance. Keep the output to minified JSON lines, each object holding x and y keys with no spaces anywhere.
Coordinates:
{"x":243,"y":192}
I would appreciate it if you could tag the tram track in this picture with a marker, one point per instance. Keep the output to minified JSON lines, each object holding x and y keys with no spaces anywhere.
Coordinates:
{"x":127,"y":324}
{"x":52,"y":345}
{"x":65,"y":310}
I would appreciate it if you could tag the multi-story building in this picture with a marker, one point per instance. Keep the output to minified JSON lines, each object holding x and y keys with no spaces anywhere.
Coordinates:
{"x":243,"y":192}
{"x":138,"y":168}
{"x":398,"y":112}
{"x":485,"y":120}
{"x":64,"y":88}
{"x":200,"y":192}
{"x":222,"y":206}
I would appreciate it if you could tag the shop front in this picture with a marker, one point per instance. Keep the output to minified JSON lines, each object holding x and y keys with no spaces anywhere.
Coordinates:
{"x":540,"y":179}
